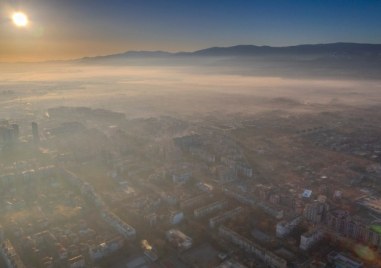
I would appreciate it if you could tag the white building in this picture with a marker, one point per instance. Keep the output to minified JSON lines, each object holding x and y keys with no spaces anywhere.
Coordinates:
{"x":310,"y":238}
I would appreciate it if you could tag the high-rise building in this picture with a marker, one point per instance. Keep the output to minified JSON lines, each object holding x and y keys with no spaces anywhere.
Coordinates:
{"x":16,"y":131}
{"x":5,"y":134}
{"x":8,"y":132}
{"x":1,"y":233}
{"x":308,"y":239}
{"x":36,"y":137}
{"x":316,"y":212}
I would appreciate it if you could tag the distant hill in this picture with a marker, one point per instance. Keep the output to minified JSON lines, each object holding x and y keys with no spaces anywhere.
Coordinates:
{"x":348,"y":49}
{"x":127,"y":55}
{"x":331,"y":49}
{"x":334,"y":60}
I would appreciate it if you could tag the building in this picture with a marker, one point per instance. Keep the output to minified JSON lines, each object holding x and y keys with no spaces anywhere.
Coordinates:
{"x":149,"y":251}
{"x":310,"y":238}
{"x":316,"y":211}
{"x":151,"y":254}
{"x":244,"y":199}
{"x":187,"y":142}
{"x":207,"y":188}
{"x":342,"y":223}
{"x":202,"y":154}
{"x":8,"y":132}
{"x":283,"y":228}
{"x":226,"y":174}
{"x":77,"y":262}
{"x":263,"y":191}
{"x":151,"y":219}
{"x":181,"y":176}
{"x":10,"y":256}
{"x":16,"y":130}
{"x":36,"y":135}
{"x":269,"y":258}
{"x":175,"y":217}
{"x":340,"y":260}
{"x":244,"y":170}
{"x":202,"y":211}
{"x":271,"y":210}
{"x":261,"y":236}
{"x":179,"y":239}
{"x":213,"y":222}
{"x":119,"y":225}
{"x":1,"y":233}
{"x":106,"y":248}
{"x":194,"y":201}
{"x":231,"y":264}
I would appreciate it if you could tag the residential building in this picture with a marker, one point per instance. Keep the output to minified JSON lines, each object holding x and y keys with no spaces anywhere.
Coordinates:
{"x":269,"y":258}
{"x":310,"y":238}
{"x":179,"y":239}
{"x":340,"y":260}
{"x":316,"y":211}
{"x":106,"y":248}
{"x":10,"y":256}
{"x":213,"y":222}
{"x":36,"y":136}
{"x":175,"y":217}
{"x":77,"y":262}
{"x":119,"y":225}
{"x":283,"y":228}
{"x":215,"y":206}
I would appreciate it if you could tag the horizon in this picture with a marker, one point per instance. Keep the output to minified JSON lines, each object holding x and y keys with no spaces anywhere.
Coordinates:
{"x":61,"y":30}
{"x":183,"y":51}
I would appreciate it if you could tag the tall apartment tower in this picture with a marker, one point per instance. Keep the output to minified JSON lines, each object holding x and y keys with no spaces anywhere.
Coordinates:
{"x":36,"y":137}
{"x":9,"y":133}
{"x":1,"y":234}
{"x":16,"y":131}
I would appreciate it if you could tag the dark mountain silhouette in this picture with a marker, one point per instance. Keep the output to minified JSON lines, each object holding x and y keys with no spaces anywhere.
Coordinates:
{"x":334,"y":60}
{"x":332,"y":49}
{"x":127,"y":55}
{"x":349,"y":49}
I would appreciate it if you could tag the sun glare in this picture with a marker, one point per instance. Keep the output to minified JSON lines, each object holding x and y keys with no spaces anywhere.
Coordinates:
{"x":20,"y":19}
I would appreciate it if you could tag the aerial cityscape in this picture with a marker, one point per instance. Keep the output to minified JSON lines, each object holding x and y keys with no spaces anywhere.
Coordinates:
{"x":135,"y":134}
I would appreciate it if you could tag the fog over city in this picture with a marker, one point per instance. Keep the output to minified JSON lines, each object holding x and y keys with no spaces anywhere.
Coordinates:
{"x":141,"y":89}
{"x":145,"y":134}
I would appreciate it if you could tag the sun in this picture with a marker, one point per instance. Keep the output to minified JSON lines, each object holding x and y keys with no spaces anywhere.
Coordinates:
{"x":20,"y":19}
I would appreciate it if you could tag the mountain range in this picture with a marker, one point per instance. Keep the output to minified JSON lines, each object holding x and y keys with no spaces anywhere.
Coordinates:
{"x":333,"y":60}
{"x":317,"y":50}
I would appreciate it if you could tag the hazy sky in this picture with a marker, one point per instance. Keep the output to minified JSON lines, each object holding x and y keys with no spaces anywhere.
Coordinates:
{"x":62,"y":29}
